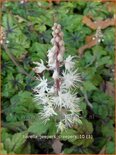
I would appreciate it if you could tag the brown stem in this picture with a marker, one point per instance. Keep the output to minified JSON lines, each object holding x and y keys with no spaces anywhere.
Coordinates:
{"x":58,"y":70}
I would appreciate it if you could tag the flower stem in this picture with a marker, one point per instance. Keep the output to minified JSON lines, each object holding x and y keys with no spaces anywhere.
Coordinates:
{"x":57,"y":81}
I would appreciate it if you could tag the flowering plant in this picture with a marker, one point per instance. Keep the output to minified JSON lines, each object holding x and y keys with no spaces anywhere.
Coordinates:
{"x":58,"y":100}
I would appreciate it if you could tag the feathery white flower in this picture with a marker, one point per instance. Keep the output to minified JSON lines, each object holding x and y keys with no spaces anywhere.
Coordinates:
{"x":70,"y":119}
{"x":69,"y":64}
{"x":41,"y":67}
{"x":42,"y":86}
{"x":66,"y":100}
{"x":47,"y":112}
{"x":70,"y":79}
{"x":61,"y":127}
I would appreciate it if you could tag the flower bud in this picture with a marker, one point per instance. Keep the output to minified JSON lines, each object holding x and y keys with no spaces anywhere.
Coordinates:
{"x":56,"y":30}
{"x":55,"y":75}
{"x":51,"y":60}
{"x":61,"y":34}
{"x":60,"y":57}
{"x":53,"y":41}
{"x":54,"y":48}
{"x":57,"y":39}
{"x":50,"y":54}
{"x":53,"y":34}
{"x":59,"y":26}
{"x":61,"y":43}
{"x":62,"y":49}
{"x":55,"y":24}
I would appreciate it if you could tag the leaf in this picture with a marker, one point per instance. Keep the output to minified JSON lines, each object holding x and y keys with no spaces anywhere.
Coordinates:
{"x":52,"y":128}
{"x":40,"y":49}
{"x":57,"y":146}
{"x":110,"y":147}
{"x":68,"y":134}
{"x":89,"y":86}
{"x":108,"y":130}
{"x":2,"y":150}
{"x":18,"y":140}
{"x":38,"y":127}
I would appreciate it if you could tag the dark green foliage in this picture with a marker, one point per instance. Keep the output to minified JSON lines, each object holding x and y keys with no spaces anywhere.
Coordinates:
{"x":28,"y":29}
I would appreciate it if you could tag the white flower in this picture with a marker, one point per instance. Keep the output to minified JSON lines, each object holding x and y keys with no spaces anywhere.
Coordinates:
{"x":61,"y":127}
{"x":40,"y":67}
{"x":51,"y":90}
{"x":42,"y":86}
{"x":66,"y":100}
{"x":69,"y":64}
{"x":47,"y":112}
{"x":70,"y":79}
{"x":70,"y":119}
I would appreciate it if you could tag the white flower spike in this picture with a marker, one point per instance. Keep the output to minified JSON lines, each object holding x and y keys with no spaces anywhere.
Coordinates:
{"x":58,"y":100}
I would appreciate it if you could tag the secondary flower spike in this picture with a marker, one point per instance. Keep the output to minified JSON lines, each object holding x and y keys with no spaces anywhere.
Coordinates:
{"x":58,"y":101}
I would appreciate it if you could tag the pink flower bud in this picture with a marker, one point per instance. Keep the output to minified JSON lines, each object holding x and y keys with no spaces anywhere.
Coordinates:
{"x":61,"y":34}
{"x":55,"y":75}
{"x":54,"y":48}
{"x":57,"y":39}
{"x":53,"y":41}
{"x":61,"y":43}
{"x":50,"y":54}
{"x":56,"y":30}
{"x":55,"y":24}
{"x":51,"y":60}
{"x":53,"y":34}
{"x":59,"y":26}
{"x":62,"y":49}
{"x":60,"y":57}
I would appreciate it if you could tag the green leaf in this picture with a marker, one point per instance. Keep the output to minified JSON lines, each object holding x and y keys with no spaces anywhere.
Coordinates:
{"x":110,"y":147}
{"x":18,"y":140}
{"x":38,"y":127}
{"x":89,"y":86}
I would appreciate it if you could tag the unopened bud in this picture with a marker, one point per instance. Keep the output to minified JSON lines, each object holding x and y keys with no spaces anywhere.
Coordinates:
{"x":60,"y":57}
{"x":59,"y":26}
{"x":61,"y":34}
{"x":61,"y":43}
{"x":62,"y":50}
{"x":56,"y":30}
{"x":55,"y":24}
{"x":55,"y":75}
{"x":50,"y":54}
{"x":51,"y":60}
{"x":57,"y":39}
{"x":53,"y":41}
{"x":54,"y":48}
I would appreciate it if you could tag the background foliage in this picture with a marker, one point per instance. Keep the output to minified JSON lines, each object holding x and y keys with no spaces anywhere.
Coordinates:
{"x":28,"y":30}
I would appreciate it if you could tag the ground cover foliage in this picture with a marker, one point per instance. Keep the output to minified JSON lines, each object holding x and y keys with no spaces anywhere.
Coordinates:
{"x":28,"y":34}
